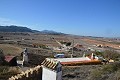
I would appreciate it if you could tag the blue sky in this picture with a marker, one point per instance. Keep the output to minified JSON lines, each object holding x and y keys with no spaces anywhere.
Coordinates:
{"x":81,"y":17}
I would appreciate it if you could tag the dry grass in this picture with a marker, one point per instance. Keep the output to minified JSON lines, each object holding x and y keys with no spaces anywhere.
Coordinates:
{"x":14,"y":70}
{"x":10,"y":49}
{"x":92,"y":41}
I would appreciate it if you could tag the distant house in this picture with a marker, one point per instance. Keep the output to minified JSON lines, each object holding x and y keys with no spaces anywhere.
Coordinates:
{"x":78,"y":47}
{"x":11,"y":60}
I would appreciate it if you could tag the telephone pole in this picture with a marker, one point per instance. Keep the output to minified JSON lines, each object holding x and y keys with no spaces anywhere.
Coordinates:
{"x":72,"y":49}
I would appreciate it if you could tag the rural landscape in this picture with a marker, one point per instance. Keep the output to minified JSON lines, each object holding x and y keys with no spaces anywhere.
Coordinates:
{"x":59,"y":39}
{"x":47,"y":44}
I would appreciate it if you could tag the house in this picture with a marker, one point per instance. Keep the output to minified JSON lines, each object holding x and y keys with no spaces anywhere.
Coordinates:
{"x":24,"y":58}
{"x":78,"y":47}
{"x":11,"y":60}
{"x":51,"y":70}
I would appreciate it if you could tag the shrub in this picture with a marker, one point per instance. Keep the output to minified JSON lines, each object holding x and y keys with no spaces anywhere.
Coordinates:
{"x":109,"y":68}
{"x":111,"y":54}
{"x":96,"y":74}
{"x":117,"y":75}
{"x":105,"y":71}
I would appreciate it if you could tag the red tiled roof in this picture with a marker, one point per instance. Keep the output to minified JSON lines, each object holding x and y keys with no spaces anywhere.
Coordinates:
{"x":9,"y":58}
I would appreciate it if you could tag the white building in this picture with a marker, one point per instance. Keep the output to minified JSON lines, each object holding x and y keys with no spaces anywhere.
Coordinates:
{"x":51,"y":70}
{"x":25,"y":55}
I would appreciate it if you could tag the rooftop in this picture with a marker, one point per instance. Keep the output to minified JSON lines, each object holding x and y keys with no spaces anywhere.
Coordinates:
{"x":50,"y":63}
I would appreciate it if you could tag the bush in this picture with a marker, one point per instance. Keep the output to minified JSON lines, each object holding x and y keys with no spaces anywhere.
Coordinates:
{"x":99,"y":53}
{"x":111,"y":54}
{"x":109,"y":68}
{"x":117,"y":75}
{"x":96,"y":74}
{"x":104,"y":72}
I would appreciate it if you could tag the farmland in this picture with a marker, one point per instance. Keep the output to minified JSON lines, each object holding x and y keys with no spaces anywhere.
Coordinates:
{"x":40,"y":46}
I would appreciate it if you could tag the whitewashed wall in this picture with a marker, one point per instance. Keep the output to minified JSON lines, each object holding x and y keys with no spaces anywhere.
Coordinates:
{"x":59,"y":72}
{"x":47,"y":74}
{"x":59,"y":76}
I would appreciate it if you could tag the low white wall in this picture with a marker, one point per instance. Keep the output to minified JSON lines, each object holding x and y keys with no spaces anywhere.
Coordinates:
{"x":47,"y":74}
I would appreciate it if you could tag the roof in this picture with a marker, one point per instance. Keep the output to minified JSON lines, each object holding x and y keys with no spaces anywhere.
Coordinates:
{"x":78,"y":61}
{"x":50,"y":63}
{"x":78,"y":45}
{"x":73,"y":59}
{"x":9,"y":58}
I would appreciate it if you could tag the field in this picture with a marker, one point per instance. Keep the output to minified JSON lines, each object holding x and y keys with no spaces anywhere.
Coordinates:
{"x":10,"y":49}
{"x":41,"y":46}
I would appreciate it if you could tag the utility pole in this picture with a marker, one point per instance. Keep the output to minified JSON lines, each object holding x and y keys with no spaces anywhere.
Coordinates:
{"x":72,"y":49}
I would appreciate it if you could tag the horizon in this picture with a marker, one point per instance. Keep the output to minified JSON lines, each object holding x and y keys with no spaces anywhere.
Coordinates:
{"x":60,"y":32}
{"x":77,"y":17}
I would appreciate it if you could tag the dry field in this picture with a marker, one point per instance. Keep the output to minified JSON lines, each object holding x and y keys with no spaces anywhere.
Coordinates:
{"x":10,"y":49}
{"x":14,"y":43}
{"x":96,"y":42}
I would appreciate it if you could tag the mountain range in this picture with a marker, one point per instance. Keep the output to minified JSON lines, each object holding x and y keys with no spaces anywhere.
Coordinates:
{"x":14,"y":28}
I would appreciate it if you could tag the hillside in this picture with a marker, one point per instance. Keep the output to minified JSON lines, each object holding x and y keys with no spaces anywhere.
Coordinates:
{"x":51,"y":32}
{"x":13,"y":28}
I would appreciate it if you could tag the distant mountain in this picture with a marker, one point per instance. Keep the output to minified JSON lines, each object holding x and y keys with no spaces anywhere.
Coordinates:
{"x":13,"y":28}
{"x":51,"y":32}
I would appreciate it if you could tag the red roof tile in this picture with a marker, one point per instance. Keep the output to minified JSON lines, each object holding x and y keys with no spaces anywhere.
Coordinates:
{"x":9,"y":58}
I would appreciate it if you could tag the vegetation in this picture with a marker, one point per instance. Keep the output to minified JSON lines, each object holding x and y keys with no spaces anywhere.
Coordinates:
{"x":13,"y":28}
{"x":1,"y":57}
{"x":37,"y":55}
{"x":6,"y":72}
{"x":104,"y":72}
{"x":109,"y":54}
{"x":66,"y":43}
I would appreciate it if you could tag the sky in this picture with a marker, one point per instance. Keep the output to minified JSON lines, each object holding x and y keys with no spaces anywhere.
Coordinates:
{"x":80,"y":17}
